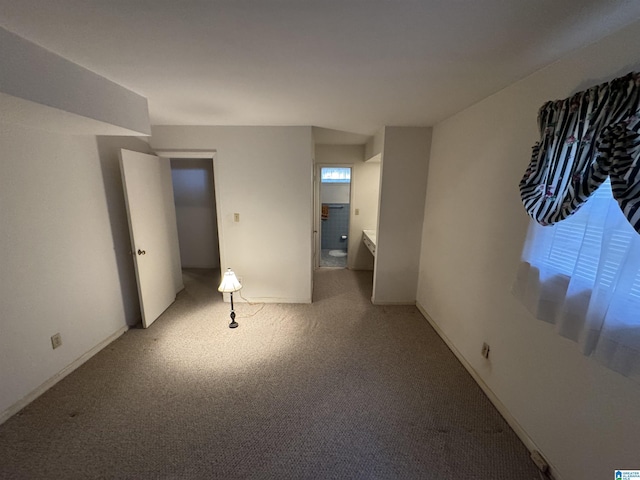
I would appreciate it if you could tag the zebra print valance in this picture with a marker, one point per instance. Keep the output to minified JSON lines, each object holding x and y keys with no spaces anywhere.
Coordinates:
{"x":583,"y":139}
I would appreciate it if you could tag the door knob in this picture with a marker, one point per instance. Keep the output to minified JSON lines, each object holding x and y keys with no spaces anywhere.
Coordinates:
{"x":141,"y":252}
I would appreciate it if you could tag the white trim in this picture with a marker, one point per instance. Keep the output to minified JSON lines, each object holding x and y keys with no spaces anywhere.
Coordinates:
{"x":241,"y":300}
{"x":26,"y":400}
{"x":493,"y":398}
{"x":399,"y":304}
{"x":186,"y":153}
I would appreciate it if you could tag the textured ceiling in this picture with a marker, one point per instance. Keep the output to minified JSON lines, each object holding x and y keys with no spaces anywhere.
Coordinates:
{"x":351,"y":65}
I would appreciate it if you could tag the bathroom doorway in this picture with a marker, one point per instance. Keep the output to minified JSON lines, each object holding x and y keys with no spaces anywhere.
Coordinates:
{"x":335,"y":209}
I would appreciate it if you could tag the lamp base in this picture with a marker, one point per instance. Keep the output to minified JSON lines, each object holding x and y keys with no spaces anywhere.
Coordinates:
{"x":233,"y":323}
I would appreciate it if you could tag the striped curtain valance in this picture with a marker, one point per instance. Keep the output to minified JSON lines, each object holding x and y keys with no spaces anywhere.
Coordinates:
{"x":584,"y":139}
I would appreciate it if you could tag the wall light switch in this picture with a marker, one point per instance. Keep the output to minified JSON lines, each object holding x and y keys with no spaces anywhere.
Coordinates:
{"x":56,"y":341}
{"x":357,"y":212}
{"x":236,"y":217}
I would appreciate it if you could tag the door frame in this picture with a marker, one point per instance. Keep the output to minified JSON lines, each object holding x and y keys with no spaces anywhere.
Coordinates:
{"x":317,"y":221}
{"x":207,"y":155}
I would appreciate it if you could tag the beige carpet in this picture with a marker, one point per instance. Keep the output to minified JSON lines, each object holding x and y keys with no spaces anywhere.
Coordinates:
{"x":338,"y":389}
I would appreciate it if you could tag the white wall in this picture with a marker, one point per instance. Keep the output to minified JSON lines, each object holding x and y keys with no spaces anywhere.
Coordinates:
{"x":584,"y":418}
{"x":403,"y":181}
{"x":335,"y":193}
{"x":374,"y":146}
{"x":266,"y":175}
{"x":365,"y":183}
{"x":196,"y":212}
{"x":70,"y":95}
{"x":62,"y":256}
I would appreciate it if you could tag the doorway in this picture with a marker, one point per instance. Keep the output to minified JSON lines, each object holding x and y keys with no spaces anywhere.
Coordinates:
{"x":194,"y":196}
{"x":335,"y":210}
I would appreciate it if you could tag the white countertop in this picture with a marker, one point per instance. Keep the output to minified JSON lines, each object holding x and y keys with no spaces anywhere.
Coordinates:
{"x":369,"y":239}
{"x":371,"y":235}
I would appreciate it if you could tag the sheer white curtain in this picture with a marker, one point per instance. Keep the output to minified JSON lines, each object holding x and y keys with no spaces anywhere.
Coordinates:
{"x":583,"y":275}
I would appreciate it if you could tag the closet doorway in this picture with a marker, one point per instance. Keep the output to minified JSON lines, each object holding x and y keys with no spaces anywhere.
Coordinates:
{"x":194,"y":194}
{"x":335,"y":210}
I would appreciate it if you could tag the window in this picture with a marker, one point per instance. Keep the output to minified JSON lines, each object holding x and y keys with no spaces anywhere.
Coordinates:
{"x":583,"y":275}
{"x":335,"y":175}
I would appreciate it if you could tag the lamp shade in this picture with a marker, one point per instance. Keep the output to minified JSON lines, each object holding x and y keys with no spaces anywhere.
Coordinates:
{"x":229,"y":282}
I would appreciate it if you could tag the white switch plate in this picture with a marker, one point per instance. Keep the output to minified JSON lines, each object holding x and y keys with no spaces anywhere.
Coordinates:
{"x":357,"y":212}
{"x":56,"y":341}
{"x":236,"y":217}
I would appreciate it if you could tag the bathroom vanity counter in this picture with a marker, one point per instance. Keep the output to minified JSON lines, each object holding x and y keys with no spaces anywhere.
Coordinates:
{"x":369,"y":239}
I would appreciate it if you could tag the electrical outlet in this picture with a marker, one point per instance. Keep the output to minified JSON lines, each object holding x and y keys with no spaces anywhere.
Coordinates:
{"x":485,"y":350}
{"x":56,"y":341}
{"x":236,"y":217}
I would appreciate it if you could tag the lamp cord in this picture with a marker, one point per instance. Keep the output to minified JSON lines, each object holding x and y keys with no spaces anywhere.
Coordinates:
{"x":252,"y":304}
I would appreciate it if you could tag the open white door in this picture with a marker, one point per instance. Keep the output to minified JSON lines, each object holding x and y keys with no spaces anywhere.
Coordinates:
{"x":148,"y":195}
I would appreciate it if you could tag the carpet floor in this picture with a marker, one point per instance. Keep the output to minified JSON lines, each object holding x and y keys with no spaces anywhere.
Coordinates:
{"x":336,"y":389}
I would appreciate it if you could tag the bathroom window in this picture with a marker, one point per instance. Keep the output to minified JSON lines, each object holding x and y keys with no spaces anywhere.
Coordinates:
{"x":335,"y":175}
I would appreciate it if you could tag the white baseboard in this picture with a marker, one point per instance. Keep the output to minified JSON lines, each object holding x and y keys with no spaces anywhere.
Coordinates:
{"x":393,"y":304}
{"x":510,"y":419}
{"x":20,"y":404}
{"x":237,"y":300}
